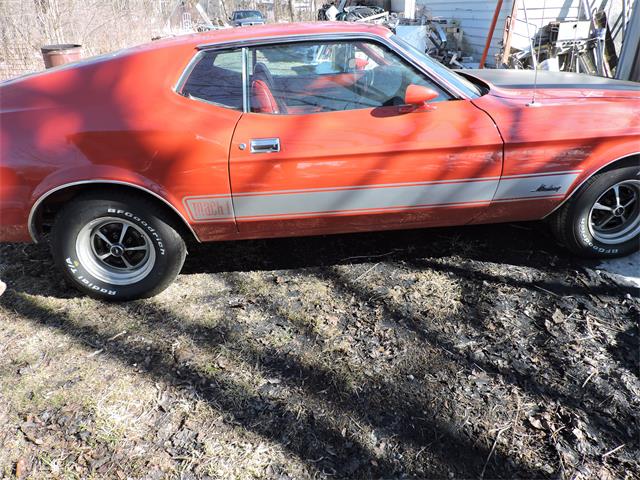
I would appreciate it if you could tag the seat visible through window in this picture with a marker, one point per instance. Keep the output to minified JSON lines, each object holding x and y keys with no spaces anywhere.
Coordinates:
{"x":311,"y":77}
{"x":262,"y":97}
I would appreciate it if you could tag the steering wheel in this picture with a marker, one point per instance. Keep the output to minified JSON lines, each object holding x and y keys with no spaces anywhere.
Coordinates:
{"x":371,"y":74}
{"x":364,"y":84}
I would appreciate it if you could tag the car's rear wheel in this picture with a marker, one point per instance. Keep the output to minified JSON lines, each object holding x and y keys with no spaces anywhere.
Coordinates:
{"x":602,"y":219}
{"x":117,"y":246}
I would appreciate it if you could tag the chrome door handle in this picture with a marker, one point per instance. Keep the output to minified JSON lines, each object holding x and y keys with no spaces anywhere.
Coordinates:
{"x":265,"y":145}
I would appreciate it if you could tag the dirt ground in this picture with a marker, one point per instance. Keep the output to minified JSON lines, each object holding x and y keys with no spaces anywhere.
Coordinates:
{"x":479,"y":352}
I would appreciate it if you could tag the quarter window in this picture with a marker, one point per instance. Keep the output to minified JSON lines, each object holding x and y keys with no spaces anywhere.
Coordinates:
{"x":217,"y":78}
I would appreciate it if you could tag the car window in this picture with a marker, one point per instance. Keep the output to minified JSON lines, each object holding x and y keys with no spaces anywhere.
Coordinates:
{"x":217,"y":78}
{"x":450,"y":76}
{"x":312,"y":77}
{"x":247,"y":14}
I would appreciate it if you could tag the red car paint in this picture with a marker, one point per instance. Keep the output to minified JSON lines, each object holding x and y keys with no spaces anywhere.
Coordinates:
{"x":118,"y":120}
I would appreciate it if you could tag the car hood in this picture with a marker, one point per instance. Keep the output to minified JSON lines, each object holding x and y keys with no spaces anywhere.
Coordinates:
{"x":508,"y":83}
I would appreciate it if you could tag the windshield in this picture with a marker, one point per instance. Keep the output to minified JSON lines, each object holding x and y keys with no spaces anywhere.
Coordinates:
{"x":450,"y":76}
{"x":247,"y":14}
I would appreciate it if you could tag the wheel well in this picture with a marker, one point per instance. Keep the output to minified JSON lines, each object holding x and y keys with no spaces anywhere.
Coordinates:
{"x":630,"y":161}
{"x":45,"y":212}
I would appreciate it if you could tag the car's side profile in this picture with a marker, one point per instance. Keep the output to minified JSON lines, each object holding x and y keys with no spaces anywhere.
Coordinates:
{"x":301,"y":129}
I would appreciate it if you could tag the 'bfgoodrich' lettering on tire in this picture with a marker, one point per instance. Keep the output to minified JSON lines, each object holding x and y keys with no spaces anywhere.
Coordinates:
{"x":587,"y":239}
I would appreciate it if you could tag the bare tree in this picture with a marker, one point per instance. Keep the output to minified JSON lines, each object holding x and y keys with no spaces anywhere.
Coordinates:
{"x":104,"y":25}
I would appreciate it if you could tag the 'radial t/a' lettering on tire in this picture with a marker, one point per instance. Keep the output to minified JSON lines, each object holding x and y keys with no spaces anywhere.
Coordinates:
{"x":117,"y":247}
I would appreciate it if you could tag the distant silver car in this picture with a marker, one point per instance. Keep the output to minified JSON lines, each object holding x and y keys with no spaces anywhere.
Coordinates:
{"x":243,"y":18}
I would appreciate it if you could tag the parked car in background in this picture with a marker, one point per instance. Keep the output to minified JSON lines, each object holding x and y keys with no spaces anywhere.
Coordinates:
{"x":302,"y":129}
{"x":244,"y":18}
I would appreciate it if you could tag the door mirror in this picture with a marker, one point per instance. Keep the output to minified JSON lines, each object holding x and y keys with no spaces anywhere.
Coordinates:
{"x":418,"y":95}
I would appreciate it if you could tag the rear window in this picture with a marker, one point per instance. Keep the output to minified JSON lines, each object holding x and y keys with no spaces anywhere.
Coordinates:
{"x":217,"y":78}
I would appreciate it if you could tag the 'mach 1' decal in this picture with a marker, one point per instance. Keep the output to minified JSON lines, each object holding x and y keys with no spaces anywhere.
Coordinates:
{"x":209,"y":208}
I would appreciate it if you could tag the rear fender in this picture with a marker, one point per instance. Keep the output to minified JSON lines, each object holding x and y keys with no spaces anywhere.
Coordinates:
{"x":99,"y":175}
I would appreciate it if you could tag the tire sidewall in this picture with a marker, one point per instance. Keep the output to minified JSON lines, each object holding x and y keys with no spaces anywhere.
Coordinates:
{"x":66,"y":256}
{"x":582,"y":210}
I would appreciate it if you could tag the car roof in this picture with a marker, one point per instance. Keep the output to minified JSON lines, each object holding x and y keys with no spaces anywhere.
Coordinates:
{"x":273,"y":30}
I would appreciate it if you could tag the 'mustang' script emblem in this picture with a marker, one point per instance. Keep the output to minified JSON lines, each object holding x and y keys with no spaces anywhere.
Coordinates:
{"x":547,"y":188}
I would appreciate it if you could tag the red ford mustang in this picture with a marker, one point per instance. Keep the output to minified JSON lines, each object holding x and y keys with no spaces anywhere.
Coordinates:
{"x":301,"y":129}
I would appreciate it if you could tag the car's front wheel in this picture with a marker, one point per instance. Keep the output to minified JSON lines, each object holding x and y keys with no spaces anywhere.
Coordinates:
{"x":602,"y":219}
{"x":117,"y":246}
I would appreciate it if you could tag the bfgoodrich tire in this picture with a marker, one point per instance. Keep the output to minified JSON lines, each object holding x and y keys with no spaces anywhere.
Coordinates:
{"x":602,"y":219}
{"x":116,"y":246}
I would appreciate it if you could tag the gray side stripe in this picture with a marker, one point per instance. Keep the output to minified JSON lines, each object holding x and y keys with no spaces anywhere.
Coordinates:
{"x":367,"y":199}
{"x":377,"y":197}
{"x":405,"y":184}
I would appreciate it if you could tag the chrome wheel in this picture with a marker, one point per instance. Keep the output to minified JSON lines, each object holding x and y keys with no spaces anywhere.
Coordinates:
{"x":615,"y":217}
{"x":115,"y":251}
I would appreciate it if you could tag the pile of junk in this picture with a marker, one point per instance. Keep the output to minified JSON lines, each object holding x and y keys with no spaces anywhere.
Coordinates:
{"x":348,"y":11}
{"x":597,"y":38}
{"x":440,"y":37}
{"x":584,"y":46}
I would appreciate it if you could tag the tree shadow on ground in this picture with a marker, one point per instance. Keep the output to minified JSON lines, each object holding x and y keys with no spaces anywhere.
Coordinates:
{"x":312,"y":437}
{"x":524,"y":244}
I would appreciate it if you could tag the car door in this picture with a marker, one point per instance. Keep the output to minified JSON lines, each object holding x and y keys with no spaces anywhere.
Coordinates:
{"x":329,"y":146}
